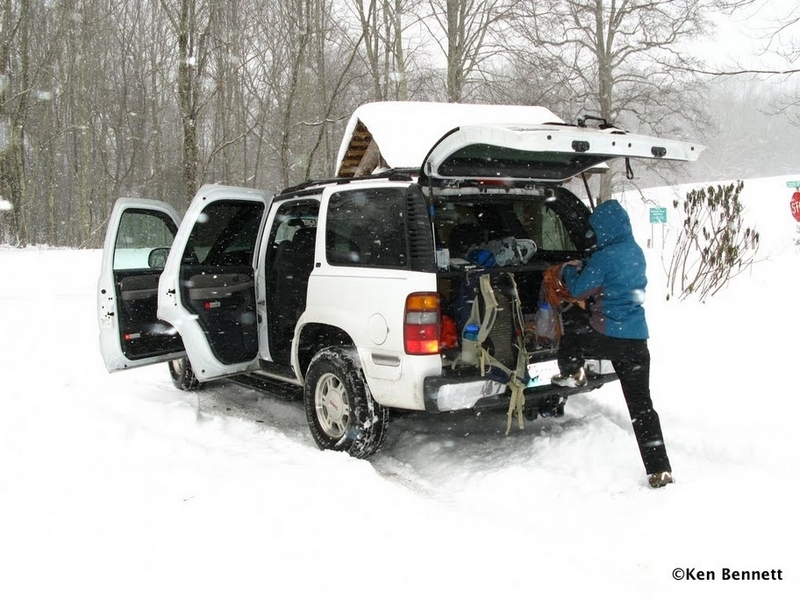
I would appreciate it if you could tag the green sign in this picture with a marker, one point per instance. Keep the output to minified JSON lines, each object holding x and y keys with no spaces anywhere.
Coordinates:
{"x":658,"y":215}
{"x":794,"y":184}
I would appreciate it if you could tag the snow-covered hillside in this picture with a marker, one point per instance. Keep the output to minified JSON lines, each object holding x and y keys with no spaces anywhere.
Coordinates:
{"x":120,"y":486}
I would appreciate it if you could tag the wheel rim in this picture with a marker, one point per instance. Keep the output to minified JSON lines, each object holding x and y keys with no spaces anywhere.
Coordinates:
{"x":177,"y":367}
{"x":330,"y":402}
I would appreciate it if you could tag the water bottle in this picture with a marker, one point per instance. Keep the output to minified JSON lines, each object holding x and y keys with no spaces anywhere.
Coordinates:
{"x":545,"y":323}
{"x":471,"y":331}
{"x":470,"y":345}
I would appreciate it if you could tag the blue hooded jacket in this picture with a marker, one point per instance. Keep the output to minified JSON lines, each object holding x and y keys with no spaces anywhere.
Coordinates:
{"x":614,"y":275}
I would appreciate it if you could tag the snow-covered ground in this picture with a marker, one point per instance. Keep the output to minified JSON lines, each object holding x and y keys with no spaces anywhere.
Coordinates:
{"x":120,"y":486}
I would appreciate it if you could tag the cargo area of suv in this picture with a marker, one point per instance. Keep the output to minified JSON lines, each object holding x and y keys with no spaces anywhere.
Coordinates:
{"x":512,"y":238}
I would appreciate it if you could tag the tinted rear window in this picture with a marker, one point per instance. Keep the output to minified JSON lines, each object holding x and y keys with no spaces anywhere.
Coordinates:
{"x":366,"y":228}
{"x":485,"y":161}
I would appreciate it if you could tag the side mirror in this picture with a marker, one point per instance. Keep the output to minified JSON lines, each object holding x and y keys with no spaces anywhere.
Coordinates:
{"x":157,"y":258}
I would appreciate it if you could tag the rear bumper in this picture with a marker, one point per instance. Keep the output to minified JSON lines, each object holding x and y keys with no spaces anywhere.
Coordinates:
{"x":446,"y":394}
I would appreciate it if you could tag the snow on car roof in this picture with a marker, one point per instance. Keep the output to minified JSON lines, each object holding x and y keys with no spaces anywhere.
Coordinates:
{"x":404,"y":132}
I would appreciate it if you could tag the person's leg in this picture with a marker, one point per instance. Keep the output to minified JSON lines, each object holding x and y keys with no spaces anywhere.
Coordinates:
{"x":631,"y":360}
{"x":573,"y":340}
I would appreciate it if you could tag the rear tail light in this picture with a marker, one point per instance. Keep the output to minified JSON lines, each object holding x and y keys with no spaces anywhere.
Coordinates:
{"x":421,"y":324}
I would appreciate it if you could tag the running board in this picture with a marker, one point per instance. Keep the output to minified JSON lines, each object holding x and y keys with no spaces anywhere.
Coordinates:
{"x":266,"y":382}
{"x":277,"y":371}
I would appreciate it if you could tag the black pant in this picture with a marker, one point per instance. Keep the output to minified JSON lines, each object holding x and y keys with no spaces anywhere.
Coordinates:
{"x":631,"y":361}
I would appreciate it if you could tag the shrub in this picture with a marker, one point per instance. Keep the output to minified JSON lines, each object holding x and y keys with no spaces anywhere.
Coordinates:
{"x":714,"y":245}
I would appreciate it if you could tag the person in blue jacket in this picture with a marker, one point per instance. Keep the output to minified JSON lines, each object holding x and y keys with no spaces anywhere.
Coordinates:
{"x":613,"y":281}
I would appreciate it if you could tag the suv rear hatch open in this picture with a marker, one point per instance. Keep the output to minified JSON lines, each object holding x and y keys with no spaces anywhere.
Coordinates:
{"x":525,"y":154}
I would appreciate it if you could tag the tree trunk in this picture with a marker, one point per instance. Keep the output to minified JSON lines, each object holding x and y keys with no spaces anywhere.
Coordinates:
{"x":13,"y":116}
{"x":188,"y":97}
{"x":399,"y":54}
{"x":455,"y":63}
{"x":303,"y":30}
{"x":605,"y":85}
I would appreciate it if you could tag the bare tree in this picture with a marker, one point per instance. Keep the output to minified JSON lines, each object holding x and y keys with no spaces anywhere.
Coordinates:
{"x":35,"y":71}
{"x":191,"y":23}
{"x":780,"y":43}
{"x":383,"y":25}
{"x":14,"y":103}
{"x":465,"y":31}
{"x":337,"y":73}
{"x":623,"y":61}
{"x":301,"y":74}
{"x":780,"y":38}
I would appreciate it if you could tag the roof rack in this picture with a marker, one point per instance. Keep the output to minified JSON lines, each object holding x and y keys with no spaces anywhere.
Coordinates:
{"x":390,"y":174}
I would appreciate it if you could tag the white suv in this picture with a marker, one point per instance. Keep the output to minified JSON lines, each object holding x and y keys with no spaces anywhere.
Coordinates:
{"x":366,"y":290}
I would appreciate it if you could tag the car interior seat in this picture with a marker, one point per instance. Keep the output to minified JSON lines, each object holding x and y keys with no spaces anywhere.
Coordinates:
{"x":294,"y":262}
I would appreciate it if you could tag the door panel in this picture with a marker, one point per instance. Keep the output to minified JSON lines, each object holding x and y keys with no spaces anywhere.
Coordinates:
{"x":142,"y":334}
{"x":224,"y":302}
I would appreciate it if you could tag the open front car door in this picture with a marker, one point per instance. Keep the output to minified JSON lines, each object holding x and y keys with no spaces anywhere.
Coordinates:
{"x":139,"y":237}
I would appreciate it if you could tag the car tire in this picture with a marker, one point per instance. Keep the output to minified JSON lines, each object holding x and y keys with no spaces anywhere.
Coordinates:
{"x":182,"y":375}
{"x":340,"y":410}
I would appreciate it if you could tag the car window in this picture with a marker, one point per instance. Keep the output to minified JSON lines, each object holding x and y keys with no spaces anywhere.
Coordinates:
{"x":289,"y":223}
{"x":290,"y":217}
{"x":366,"y":228}
{"x":140,"y":232}
{"x":225,"y":233}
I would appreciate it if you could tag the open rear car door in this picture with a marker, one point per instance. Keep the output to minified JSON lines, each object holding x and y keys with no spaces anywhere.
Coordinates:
{"x":208,"y":288}
{"x":139,"y":237}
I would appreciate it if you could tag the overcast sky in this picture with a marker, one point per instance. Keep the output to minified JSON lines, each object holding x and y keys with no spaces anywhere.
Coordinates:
{"x":741,"y":39}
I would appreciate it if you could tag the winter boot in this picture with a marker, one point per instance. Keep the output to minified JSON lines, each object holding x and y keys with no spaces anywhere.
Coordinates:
{"x":658,"y":480}
{"x":576,"y":379}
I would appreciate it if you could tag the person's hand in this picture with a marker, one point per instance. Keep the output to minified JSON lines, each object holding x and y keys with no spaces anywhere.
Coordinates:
{"x":578,"y":264}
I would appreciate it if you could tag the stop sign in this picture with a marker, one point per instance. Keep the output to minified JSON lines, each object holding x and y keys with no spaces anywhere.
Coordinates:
{"x":795,"y":206}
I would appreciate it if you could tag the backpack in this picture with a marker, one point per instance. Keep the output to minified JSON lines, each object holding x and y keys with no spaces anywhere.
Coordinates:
{"x":483,"y":312}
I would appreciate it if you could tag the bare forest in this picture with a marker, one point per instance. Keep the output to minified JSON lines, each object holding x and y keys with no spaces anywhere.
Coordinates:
{"x":101,"y":99}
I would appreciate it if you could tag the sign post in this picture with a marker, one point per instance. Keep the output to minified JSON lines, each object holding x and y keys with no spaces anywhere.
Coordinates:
{"x":794,"y":203}
{"x":658,"y":215}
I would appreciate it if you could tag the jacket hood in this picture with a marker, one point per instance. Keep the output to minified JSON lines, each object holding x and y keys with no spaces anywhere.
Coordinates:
{"x":611,"y":224}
